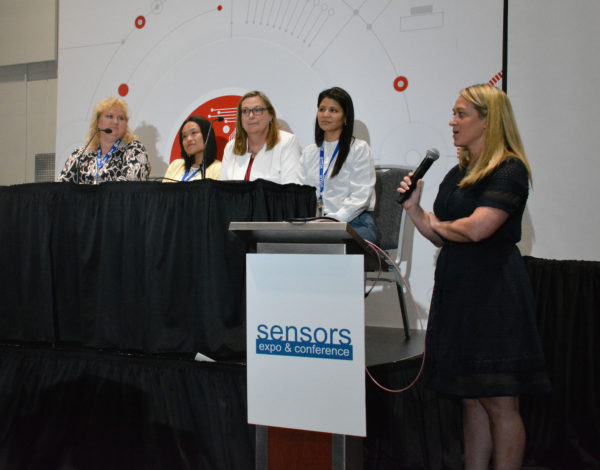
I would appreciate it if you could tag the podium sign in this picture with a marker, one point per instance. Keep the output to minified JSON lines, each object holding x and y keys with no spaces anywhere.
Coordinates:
{"x":305,"y":342}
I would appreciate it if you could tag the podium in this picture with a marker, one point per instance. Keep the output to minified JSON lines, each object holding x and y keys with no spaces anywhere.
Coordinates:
{"x":305,"y":343}
{"x":301,"y":237}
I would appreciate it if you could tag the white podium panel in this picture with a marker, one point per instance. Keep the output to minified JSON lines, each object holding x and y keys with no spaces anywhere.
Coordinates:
{"x":305,"y":342}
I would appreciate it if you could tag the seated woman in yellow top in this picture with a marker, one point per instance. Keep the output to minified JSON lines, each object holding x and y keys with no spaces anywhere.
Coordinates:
{"x":198,"y":153}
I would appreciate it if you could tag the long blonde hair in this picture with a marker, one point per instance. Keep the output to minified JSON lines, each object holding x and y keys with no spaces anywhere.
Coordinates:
{"x":103,"y":106}
{"x":240,"y":146}
{"x":502,"y":138}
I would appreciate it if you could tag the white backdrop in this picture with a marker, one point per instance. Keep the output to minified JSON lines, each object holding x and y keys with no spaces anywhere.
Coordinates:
{"x":403,"y":62}
{"x":553,"y":74}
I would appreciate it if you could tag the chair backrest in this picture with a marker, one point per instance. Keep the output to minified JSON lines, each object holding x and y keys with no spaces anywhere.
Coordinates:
{"x":388,"y":211}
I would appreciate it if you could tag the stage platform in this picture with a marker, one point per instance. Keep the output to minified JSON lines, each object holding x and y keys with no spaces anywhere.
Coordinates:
{"x":390,"y":345}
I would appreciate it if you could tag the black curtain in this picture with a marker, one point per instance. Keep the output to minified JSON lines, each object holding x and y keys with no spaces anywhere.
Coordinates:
{"x":564,"y":426}
{"x":413,"y":430}
{"x":107,"y":293}
{"x":147,"y":267}
{"x":422,"y":431}
{"x":86,"y":410}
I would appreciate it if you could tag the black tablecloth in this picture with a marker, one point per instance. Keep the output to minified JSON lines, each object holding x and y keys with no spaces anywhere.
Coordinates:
{"x":147,"y":267}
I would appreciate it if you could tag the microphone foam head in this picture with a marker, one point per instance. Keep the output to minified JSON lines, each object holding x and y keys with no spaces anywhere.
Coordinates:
{"x":108,"y":131}
{"x":433,"y":153}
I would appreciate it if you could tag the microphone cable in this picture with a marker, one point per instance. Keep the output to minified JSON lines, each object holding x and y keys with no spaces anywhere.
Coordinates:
{"x":378,"y":252}
{"x":162,"y":178}
{"x":98,"y":130}
{"x":303,"y":220}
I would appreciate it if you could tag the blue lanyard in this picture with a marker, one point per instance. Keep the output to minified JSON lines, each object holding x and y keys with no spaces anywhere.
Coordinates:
{"x":322,"y":166}
{"x":188,"y":176}
{"x":100,"y":160}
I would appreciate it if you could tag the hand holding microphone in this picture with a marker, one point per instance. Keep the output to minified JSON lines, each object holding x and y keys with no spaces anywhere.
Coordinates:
{"x":431,"y":156}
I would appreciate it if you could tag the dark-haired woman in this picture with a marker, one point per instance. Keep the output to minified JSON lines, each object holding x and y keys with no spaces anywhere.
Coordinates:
{"x":340,"y":166}
{"x":198,"y":153}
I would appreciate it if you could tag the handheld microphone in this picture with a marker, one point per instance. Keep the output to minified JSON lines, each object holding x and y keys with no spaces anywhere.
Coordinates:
{"x":431,"y":156}
{"x":210,"y":129}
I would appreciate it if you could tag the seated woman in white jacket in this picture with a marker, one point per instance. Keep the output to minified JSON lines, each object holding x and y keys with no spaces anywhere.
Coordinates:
{"x":340,"y":166}
{"x":260,"y":149}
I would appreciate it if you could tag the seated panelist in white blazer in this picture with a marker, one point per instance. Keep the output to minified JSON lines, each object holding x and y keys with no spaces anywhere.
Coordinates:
{"x":340,"y":166}
{"x":260,"y":149}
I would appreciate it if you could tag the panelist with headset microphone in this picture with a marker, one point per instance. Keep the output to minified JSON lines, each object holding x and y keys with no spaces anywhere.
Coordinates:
{"x":112,"y":151}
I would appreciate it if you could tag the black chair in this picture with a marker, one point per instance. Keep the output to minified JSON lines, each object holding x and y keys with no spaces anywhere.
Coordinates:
{"x":389,"y":219}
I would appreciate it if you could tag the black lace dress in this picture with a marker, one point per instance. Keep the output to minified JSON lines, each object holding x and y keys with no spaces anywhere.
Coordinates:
{"x":482,"y":340}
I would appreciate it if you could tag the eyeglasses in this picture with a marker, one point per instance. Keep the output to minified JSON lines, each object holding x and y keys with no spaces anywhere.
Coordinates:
{"x":257,"y":111}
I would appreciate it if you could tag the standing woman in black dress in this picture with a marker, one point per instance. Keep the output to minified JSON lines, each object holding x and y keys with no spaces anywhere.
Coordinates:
{"x":482,"y":341}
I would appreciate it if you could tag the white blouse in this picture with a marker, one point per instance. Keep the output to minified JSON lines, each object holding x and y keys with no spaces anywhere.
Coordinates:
{"x":352,"y":190}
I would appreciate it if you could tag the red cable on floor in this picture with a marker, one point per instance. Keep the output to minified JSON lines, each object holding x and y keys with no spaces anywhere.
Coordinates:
{"x":378,"y":251}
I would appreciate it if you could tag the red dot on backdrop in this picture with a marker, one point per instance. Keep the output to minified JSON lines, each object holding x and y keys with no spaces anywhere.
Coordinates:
{"x":225,"y":106}
{"x":123,"y":89}
{"x":401,"y":83}
{"x":220,"y":7}
{"x":140,"y":22}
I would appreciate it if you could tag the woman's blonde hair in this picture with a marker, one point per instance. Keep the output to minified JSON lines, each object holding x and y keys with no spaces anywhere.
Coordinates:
{"x":502,"y":138}
{"x":240,"y":146}
{"x":105,"y":105}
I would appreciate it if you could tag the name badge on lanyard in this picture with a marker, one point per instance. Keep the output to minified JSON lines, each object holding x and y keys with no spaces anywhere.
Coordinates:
{"x":189,"y":174}
{"x":323,"y":174}
{"x":101,"y":160}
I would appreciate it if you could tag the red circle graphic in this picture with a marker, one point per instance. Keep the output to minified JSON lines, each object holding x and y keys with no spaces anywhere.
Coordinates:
{"x":221,"y":106}
{"x":401,"y":83}
{"x":123,"y":89}
{"x":140,"y":22}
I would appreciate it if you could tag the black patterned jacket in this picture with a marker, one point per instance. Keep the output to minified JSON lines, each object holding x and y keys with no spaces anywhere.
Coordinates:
{"x":129,"y":162}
